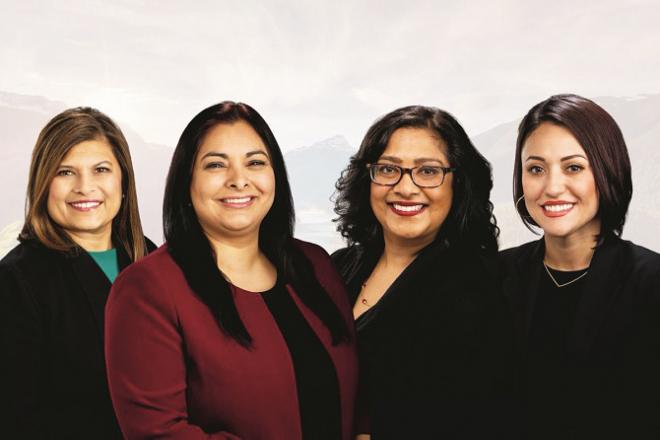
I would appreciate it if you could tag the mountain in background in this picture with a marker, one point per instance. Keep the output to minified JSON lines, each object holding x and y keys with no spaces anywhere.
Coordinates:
{"x":313,"y":171}
{"x":639,"y":120}
{"x":22,"y":118}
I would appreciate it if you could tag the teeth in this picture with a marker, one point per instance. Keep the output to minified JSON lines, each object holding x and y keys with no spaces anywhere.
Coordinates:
{"x":237,"y":200}
{"x":558,"y":208}
{"x":407,"y":208}
{"x":85,"y":205}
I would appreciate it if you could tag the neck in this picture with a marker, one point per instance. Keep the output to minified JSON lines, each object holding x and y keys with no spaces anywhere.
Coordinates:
{"x":236,"y":255}
{"x":93,"y":242}
{"x":400,"y":253}
{"x":569,"y":253}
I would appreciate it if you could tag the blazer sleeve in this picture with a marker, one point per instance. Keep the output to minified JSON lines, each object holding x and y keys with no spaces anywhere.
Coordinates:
{"x":643,"y":372}
{"x":146,"y":360}
{"x":22,"y":345}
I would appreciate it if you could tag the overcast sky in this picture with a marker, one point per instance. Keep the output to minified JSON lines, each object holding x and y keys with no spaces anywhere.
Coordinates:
{"x":319,"y":68}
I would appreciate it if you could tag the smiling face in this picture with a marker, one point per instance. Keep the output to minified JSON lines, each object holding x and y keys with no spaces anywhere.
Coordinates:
{"x":85,"y":194}
{"x":233,"y":183}
{"x":411,"y":215}
{"x":558,"y":184}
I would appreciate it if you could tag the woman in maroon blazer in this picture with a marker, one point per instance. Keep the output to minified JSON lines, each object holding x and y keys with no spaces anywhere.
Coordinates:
{"x":233,"y":329}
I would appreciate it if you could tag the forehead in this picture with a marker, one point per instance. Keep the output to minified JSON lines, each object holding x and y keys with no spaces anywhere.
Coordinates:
{"x":92,"y":151}
{"x":411,"y":143}
{"x":551,"y":141}
{"x":234,"y":138}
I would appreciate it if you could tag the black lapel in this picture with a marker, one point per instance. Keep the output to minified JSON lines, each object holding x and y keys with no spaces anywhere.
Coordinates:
{"x":123,"y":259}
{"x":93,"y":282}
{"x":603,"y":284}
{"x":410,"y":283}
{"x":522,"y":287}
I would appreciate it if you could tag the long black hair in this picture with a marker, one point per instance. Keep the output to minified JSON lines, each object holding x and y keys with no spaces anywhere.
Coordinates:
{"x":470,"y":222}
{"x":193,"y":252}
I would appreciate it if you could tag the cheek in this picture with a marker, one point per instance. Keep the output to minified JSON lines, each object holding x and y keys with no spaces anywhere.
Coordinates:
{"x":113,"y":185}
{"x":266,"y":183}
{"x":377,"y":197}
{"x":56,"y":193}
{"x":531,"y":187}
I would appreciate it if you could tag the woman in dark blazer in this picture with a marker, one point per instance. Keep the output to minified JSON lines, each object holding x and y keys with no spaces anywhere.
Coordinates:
{"x":434,"y":339}
{"x":233,"y":329}
{"x":82,"y":226}
{"x":586,"y":303}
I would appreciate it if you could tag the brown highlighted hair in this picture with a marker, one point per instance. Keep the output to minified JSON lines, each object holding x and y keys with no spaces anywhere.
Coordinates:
{"x":56,"y":139}
{"x":601,"y":138}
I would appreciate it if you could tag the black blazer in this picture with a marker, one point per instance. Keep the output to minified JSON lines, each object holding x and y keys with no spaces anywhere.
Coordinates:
{"x":52,"y":381}
{"x":615,"y":341}
{"x":435,"y":351}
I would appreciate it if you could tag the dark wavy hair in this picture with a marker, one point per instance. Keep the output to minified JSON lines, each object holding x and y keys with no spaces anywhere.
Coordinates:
{"x":601,"y":138}
{"x":193,"y":252}
{"x":470,"y":221}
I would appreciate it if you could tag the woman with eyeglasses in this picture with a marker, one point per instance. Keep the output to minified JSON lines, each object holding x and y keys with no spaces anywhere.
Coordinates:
{"x":233,"y":329}
{"x":433,"y":334}
{"x":82,"y":227}
{"x":586,"y":303}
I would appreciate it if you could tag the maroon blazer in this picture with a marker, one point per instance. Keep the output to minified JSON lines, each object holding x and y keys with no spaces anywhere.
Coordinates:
{"x":174,"y":374}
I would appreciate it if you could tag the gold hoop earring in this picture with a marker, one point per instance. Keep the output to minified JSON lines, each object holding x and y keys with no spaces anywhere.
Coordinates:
{"x":524,"y":216}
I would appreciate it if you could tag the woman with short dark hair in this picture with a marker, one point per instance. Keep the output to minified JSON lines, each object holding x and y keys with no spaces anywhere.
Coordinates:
{"x":586,"y":303}
{"x":433,"y":333}
{"x":81,"y":228}
{"x":233,"y":329}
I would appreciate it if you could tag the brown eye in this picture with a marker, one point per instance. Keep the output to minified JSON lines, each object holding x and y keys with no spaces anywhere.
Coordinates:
{"x":534,"y":169}
{"x":214,"y":165}
{"x":386,"y":170}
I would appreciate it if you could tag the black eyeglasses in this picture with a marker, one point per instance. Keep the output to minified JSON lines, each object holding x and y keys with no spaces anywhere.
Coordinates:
{"x":424,"y":176}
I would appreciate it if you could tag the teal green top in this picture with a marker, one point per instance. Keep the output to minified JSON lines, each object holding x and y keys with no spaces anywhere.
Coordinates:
{"x":107,"y":261}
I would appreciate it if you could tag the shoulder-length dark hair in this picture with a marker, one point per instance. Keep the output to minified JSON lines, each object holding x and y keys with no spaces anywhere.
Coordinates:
{"x":56,"y":139}
{"x":470,"y":221}
{"x":192,"y":250}
{"x":600,"y":137}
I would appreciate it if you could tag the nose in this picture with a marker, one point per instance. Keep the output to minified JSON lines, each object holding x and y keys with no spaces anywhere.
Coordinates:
{"x":555,"y":184}
{"x":406,"y":187}
{"x":84,"y":183}
{"x":237,"y":178}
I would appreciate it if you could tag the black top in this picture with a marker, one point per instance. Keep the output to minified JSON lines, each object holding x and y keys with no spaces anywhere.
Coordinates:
{"x":614,"y":340}
{"x":552,"y":374}
{"x":435,"y":351}
{"x":316,"y":378}
{"x":52,"y":374}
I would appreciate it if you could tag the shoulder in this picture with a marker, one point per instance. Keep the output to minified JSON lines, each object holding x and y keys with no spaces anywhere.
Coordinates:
{"x":323,"y":268}
{"x":348,"y":254}
{"x":348,"y":260}
{"x":643,"y":262}
{"x":158,"y":264}
{"x":151,"y":246}
{"x":145,"y":292}
{"x":523,"y":250}
{"x":156,"y":272}
{"x":508,"y":258}
{"x":315,"y":253}
{"x":27,"y":253}
{"x":31,"y":260}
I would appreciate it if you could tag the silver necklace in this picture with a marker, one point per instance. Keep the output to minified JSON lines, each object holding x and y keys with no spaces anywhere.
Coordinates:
{"x":566,"y":283}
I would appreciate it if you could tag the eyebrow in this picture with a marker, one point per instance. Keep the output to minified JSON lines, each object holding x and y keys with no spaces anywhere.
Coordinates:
{"x":103,"y":162}
{"x":225,"y":156}
{"x":416,"y":161}
{"x":563,"y":159}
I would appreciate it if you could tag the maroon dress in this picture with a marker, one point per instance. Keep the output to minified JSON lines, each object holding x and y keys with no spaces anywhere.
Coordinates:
{"x":174,"y":374}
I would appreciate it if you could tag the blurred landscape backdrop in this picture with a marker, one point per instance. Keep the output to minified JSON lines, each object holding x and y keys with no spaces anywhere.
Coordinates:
{"x":313,"y":170}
